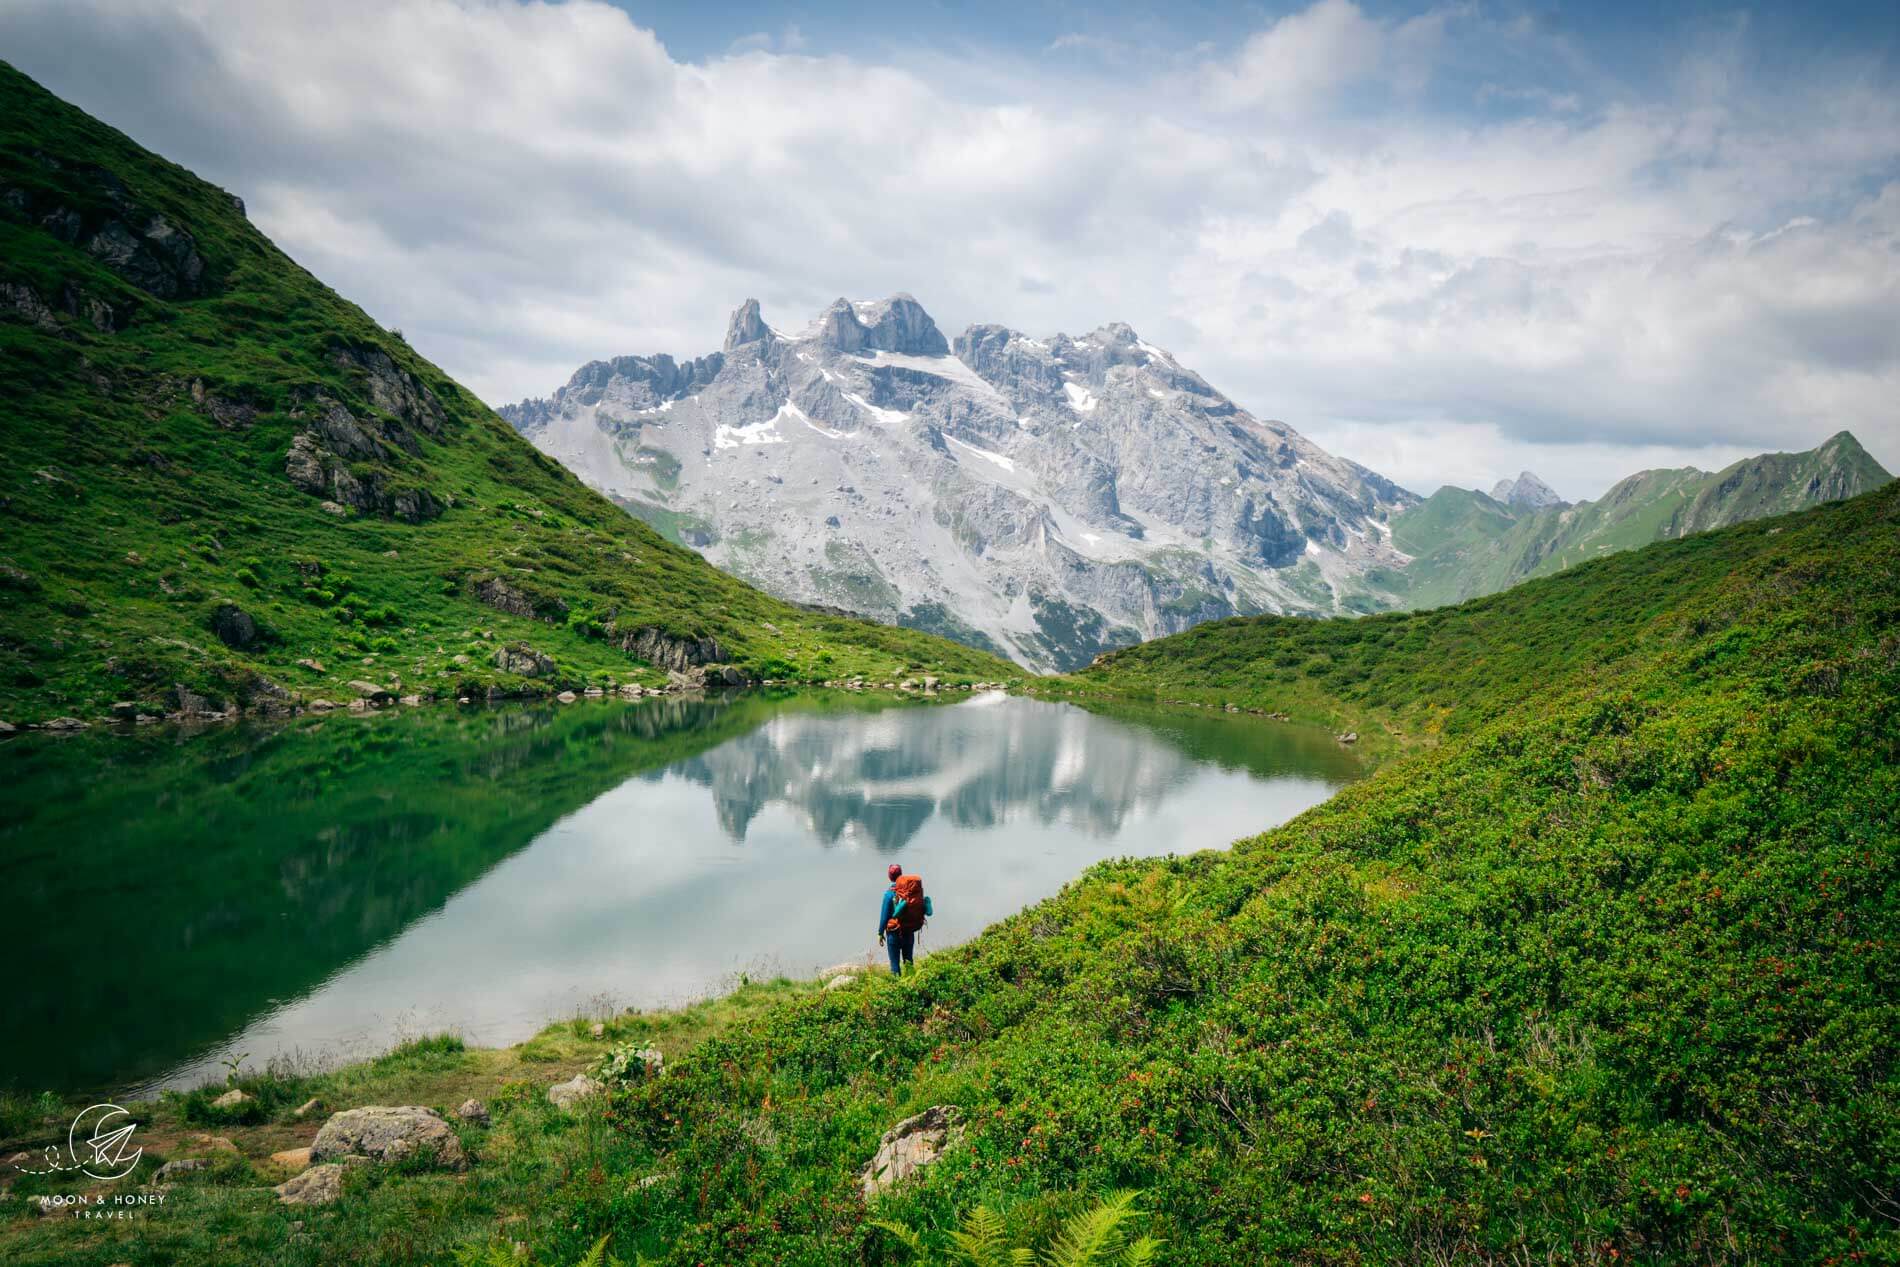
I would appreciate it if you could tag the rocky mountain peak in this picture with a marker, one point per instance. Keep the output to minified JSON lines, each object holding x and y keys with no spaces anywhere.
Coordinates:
{"x":746,"y":326}
{"x":1526,"y":492}
{"x":898,"y":324}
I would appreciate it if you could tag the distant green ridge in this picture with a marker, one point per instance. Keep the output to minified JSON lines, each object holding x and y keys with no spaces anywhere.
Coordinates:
{"x":1464,"y":544}
{"x":213,"y":468}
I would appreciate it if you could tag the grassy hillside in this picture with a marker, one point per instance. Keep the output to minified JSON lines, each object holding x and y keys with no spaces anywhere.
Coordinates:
{"x":1421,"y":675}
{"x":1609,"y":975}
{"x":212,"y":467}
{"x":1464,"y":544}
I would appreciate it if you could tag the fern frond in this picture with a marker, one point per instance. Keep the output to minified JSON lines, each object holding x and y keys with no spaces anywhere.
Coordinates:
{"x":594,"y":1256}
{"x":1087,"y":1239}
{"x":1142,"y":1253}
{"x":980,"y":1238}
{"x":910,"y":1240}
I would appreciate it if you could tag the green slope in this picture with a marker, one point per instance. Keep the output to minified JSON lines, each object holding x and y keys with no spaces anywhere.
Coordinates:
{"x":1612,"y":969}
{"x":1464,"y":544}
{"x":191,"y":426}
{"x":1609,"y":975}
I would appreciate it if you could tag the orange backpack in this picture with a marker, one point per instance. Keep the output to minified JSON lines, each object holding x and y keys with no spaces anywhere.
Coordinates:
{"x":909,"y":916}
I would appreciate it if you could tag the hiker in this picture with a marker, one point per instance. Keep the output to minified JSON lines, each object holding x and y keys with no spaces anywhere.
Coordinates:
{"x":901,"y":914}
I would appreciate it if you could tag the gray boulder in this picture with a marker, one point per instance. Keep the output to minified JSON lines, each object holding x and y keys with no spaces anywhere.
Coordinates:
{"x":565,"y":1095}
{"x":909,"y":1146}
{"x":172,"y":1171}
{"x":473,"y":1111}
{"x":319,"y":1185}
{"x":234,"y":626}
{"x":524,"y":660}
{"x":389,"y":1134}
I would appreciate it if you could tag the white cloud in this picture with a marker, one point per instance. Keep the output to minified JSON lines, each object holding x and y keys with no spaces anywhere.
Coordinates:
{"x":1299,"y":61}
{"x":1597,"y":276}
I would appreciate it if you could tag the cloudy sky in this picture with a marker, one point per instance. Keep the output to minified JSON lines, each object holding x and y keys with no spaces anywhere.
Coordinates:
{"x":1447,"y":241}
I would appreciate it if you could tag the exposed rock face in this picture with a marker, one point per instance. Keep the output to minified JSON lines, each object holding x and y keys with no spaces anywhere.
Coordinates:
{"x":234,"y":626}
{"x":22,"y":301}
{"x":523,"y":660}
{"x":393,"y":390}
{"x":502,"y":596}
{"x":1526,"y":492}
{"x":319,"y":1185}
{"x":152,"y":253}
{"x":666,"y":651}
{"x":473,"y":1111}
{"x":349,"y":459}
{"x":908,"y":1147}
{"x":746,"y":326}
{"x":389,"y":1134}
{"x":1049,"y":498}
{"x":321,"y":461}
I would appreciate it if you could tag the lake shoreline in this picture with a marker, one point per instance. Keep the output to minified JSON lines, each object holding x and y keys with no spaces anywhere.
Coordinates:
{"x":383,"y":701}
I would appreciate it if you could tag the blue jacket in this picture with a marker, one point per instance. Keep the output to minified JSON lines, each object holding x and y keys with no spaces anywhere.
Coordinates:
{"x":888,"y":908}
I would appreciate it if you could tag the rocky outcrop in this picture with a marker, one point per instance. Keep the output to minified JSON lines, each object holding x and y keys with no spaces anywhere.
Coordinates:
{"x":908,"y":1147}
{"x":506,"y":597}
{"x":1526,"y":492}
{"x":234,"y":626}
{"x":746,"y":326}
{"x":152,"y":253}
{"x":670,"y":651}
{"x":141,"y":245}
{"x":319,"y":1185}
{"x":523,"y":660}
{"x":24,"y":303}
{"x":389,"y":1134}
{"x":900,"y":324}
{"x":473,"y":1111}
{"x":391,"y":389}
{"x":335,"y":458}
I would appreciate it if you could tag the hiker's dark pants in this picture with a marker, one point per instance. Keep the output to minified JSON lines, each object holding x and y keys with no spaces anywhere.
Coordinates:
{"x":902,"y":942}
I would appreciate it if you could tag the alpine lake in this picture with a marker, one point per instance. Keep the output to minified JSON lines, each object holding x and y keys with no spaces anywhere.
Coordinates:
{"x":314,"y":891}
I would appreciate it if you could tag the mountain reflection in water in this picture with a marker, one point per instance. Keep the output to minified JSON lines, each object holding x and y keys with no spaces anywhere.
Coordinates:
{"x":325,"y":889}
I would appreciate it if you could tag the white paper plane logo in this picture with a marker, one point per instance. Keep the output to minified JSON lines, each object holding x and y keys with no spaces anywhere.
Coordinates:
{"x":99,"y":1143}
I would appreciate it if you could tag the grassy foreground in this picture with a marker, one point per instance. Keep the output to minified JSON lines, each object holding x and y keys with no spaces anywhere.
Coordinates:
{"x":1607,"y":975}
{"x":222,"y":482}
